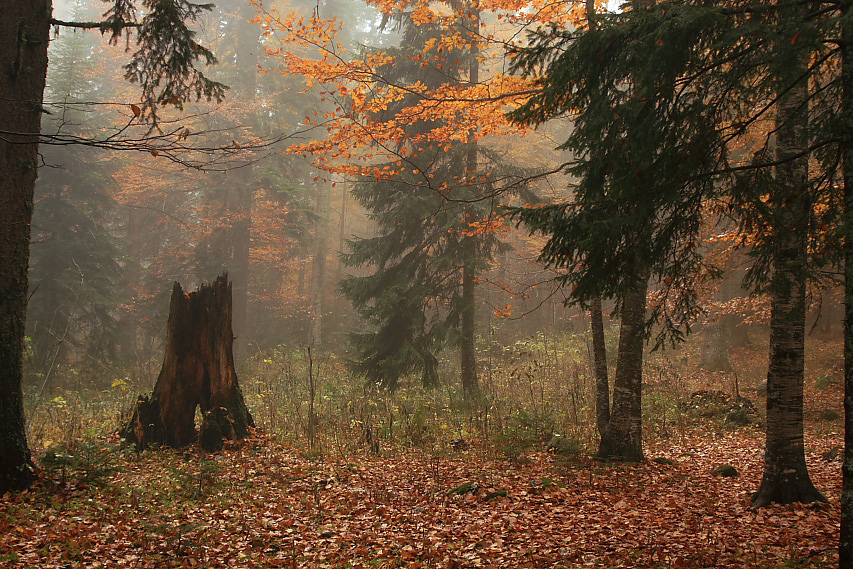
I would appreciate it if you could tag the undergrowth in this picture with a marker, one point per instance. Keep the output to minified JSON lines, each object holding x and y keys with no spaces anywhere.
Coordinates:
{"x":530,"y":391}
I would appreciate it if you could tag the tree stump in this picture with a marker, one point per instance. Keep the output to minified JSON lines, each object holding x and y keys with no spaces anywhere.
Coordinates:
{"x":198,"y":371}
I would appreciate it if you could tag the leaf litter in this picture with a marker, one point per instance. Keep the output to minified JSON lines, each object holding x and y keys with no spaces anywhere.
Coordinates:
{"x":261,"y":504}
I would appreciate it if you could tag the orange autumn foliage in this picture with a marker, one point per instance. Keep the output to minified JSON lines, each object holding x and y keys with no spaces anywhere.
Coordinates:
{"x":351,"y":139}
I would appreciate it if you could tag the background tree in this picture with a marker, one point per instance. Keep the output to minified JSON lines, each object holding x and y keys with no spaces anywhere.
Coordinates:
{"x":415,"y":116}
{"x":419,"y":293}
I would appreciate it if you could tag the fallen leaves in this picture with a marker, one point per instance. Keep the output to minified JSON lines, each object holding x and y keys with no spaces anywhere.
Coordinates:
{"x":269,"y":507}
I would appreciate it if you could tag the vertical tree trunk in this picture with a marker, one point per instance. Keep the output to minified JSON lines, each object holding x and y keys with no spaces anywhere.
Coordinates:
{"x":198,"y":371}
{"x":247,"y":63}
{"x":468,"y":327}
{"x":599,"y":356}
{"x":137,"y":222}
{"x":468,"y":355}
{"x":715,"y":347}
{"x":623,"y":437}
{"x":342,"y":236}
{"x":786,"y":477}
{"x":318,"y":265}
{"x":736,"y":331}
{"x":845,"y":549}
{"x":599,"y":349}
{"x":24,"y":30}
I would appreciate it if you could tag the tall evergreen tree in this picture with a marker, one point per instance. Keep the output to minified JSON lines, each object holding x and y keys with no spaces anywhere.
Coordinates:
{"x":423,"y":262}
{"x":699,"y":79}
{"x":628,"y":142}
{"x":74,"y":266}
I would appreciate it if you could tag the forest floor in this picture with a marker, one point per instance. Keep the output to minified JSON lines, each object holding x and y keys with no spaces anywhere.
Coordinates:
{"x":265,"y":503}
{"x":260,"y":503}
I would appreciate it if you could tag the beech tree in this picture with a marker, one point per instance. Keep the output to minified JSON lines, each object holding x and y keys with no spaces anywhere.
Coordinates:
{"x":163,"y":64}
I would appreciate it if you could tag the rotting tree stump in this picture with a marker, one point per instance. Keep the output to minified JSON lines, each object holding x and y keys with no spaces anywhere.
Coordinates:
{"x":198,"y":372}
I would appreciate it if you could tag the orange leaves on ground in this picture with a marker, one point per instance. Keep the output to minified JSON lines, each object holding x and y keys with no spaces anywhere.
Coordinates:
{"x":266,"y":506}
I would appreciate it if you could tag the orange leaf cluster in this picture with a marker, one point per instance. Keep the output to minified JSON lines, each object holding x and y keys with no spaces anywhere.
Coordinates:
{"x":355,"y":132}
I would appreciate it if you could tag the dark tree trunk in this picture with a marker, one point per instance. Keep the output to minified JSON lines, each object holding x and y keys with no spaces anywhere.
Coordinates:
{"x":468,"y":326}
{"x":845,"y":549}
{"x":24,"y":31}
{"x":247,"y":63}
{"x":198,"y":371}
{"x":599,"y":356}
{"x":596,"y":316}
{"x":623,"y":437}
{"x":737,"y":333}
{"x":786,"y":477}
{"x":468,"y":355}
{"x":318,"y":265}
{"x":715,"y":348}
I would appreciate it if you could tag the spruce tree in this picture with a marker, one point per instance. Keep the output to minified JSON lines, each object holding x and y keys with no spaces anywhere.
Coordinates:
{"x":635,"y":212}
{"x":412,"y":297}
{"x":74,"y":272}
{"x":693,"y":85}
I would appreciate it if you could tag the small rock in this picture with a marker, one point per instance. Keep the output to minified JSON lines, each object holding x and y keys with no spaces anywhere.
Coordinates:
{"x":496,"y":494}
{"x":726,"y":470}
{"x":832,"y":454}
{"x":465,"y":488}
{"x":662,"y":460}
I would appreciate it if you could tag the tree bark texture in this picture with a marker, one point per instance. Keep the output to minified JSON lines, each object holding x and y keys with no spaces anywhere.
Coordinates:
{"x":599,"y":356}
{"x":468,"y":326}
{"x":247,"y":63}
{"x":198,"y":371}
{"x":623,"y":437}
{"x":786,"y":477}
{"x":845,"y":548}
{"x":24,"y":35}
{"x":715,"y":347}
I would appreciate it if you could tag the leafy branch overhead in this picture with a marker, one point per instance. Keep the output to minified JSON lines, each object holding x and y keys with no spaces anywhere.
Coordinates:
{"x":167,"y":54}
{"x":370,"y":106}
